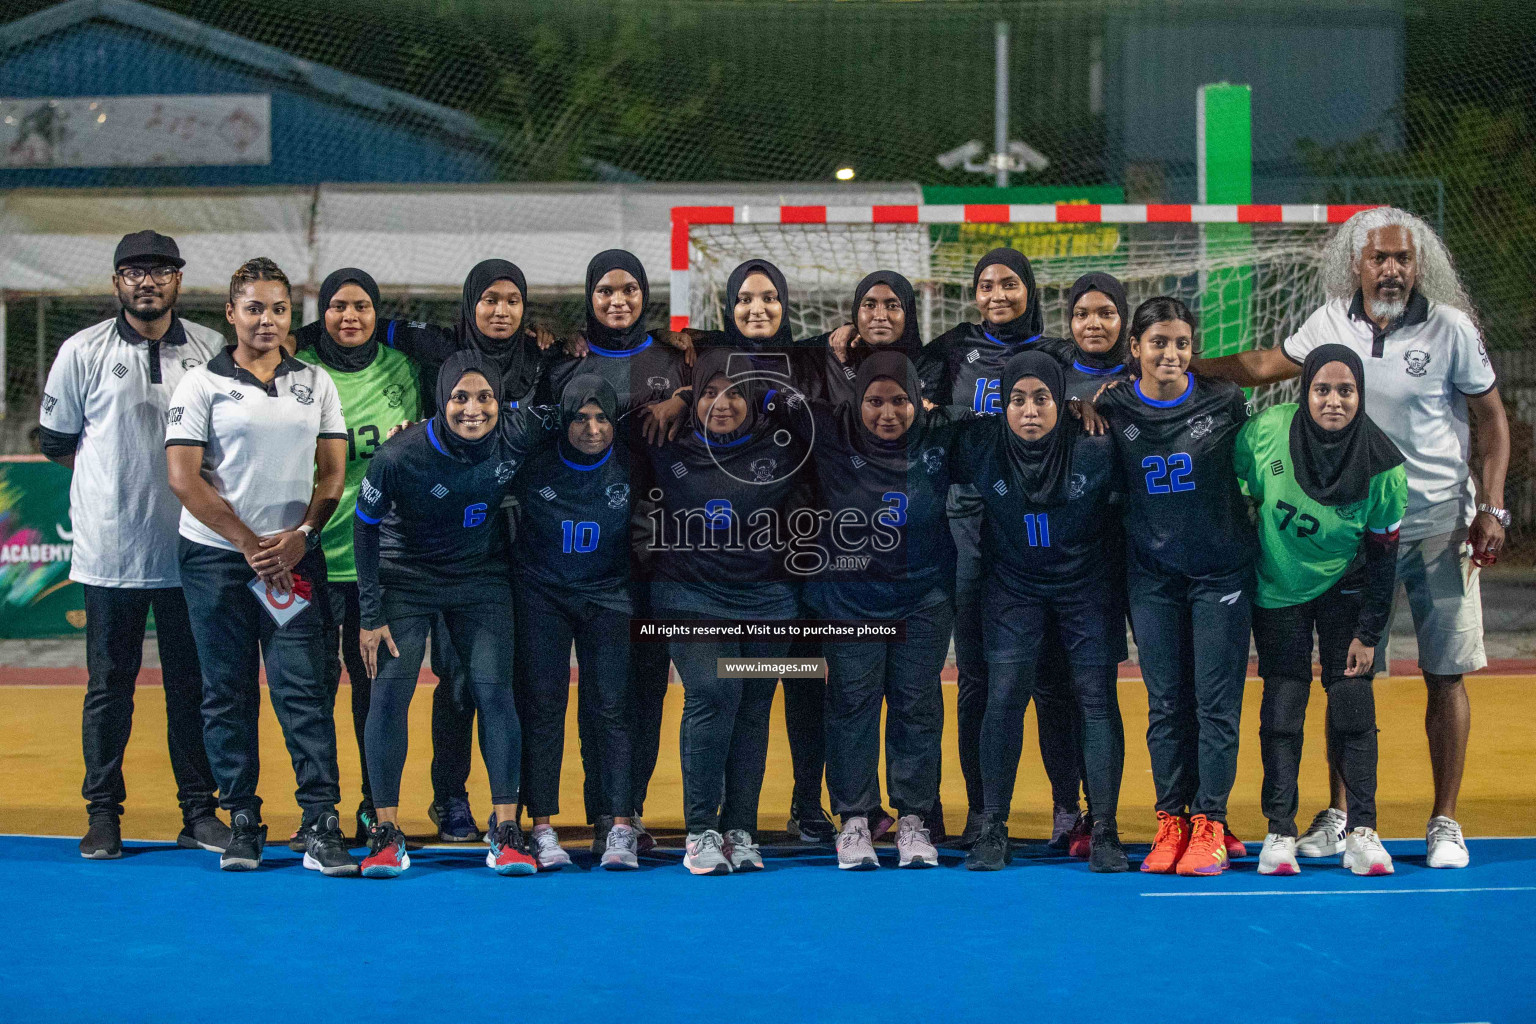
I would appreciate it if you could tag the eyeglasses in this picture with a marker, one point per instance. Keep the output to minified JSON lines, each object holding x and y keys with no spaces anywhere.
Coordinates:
{"x":161,"y":275}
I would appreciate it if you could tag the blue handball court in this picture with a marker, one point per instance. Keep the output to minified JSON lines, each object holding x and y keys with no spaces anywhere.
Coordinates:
{"x":162,"y":936}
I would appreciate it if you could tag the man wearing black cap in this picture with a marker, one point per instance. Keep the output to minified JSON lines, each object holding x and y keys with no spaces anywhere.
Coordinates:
{"x":103,"y":416}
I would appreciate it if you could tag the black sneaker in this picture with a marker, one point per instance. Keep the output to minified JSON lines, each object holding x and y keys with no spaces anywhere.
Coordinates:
{"x":455,"y":821}
{"x":811,"y":823}
{"x":205,"y":833}
{"x":991,"y":851}
{"x":367,"y":817}
{"x":246,"y":841}
{"x":299,"y":841}
{"x":1106,"y":854}
{"x":326,"y":849}
{"x":975,"y":824}
{"x":103,"y":838}
{"x":600,"y":830}
{"x":1063,"y":821}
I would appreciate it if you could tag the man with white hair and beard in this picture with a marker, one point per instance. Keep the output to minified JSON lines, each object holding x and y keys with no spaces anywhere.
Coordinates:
{"x":1394,"y":297}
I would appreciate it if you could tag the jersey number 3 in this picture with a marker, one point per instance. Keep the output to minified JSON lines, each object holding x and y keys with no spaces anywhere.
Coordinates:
{"x":1170,"y":475}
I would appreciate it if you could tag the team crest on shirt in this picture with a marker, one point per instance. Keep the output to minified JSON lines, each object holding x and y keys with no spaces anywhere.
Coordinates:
{"x":858,"y":463}
{"x":1201,"y":426}
{"x":190,"y":361}
{"x":173,"y":414}
{"x":1418,"y":362}
{"x":762,"y":470}
{"x":49,"y":402}
{"x":303,"y":394}
{"x":658,"y":383}
{"x":1075,"y":485}
{"x":1349,"y":511}
{"x":618,"y":495}
{"x":504,"y":470}
{"x":1132,"y":432}
{"x":394,"y":394}
{"x":933,"y":460}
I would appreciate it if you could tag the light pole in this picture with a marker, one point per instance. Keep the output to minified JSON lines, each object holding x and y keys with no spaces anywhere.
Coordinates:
{"x":1007,"y":156}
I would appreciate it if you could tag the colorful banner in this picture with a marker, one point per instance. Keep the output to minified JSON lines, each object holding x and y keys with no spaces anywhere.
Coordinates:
{"x":37,"y":598}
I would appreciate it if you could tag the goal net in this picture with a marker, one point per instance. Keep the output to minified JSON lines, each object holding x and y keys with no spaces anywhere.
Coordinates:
{"x":1249,"y":272}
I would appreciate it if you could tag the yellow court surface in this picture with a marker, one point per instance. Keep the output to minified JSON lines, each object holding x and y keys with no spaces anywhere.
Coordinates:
{"x":41,"y":766}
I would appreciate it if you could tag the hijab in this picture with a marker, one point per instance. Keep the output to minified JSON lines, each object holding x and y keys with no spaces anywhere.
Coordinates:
{"x":599,"y":333}
{"x":1030,"y":323}
{"x":784,"y":337}
{"x":1043,"y":468}
{"x":509,"y":359}
{"x":884,"y":363}
{"x":444,"y":439}
{"x":1335,"y":467}
{"x":584,"y":389}
{"x":1105,"y":362}
{"x":332,"y":353}
{"x":910,"y":341}
{"x":716,"y":362}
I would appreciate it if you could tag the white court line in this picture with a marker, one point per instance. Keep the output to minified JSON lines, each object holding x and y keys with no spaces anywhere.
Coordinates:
{"x":1346,"y":892}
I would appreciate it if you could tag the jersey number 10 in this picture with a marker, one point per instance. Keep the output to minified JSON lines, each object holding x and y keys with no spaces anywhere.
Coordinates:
{"x":579,"y":537}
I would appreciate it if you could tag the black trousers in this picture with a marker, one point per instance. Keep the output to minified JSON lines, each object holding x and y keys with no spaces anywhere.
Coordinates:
{"x":805,"y":704}
{"x":114,"y":647}
{"x":601,"y":636}
{"x":478,"y":622}
{"x":650,"y":670}
{"x":1192,"y":640}
{"x":343,"y":615}
{"x":906,"y":677}
{"x":1284,"y":640}
{"x":970,"y":655}
{"x":723,"y":740}
{"x":453,"y":720}
{"x":235,"y":639}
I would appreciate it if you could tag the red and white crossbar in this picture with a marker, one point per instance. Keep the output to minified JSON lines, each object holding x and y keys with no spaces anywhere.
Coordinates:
{"x":684,"y":217}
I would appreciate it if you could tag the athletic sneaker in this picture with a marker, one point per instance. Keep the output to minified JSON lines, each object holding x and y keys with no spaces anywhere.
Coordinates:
{"x":1236,"y":850}
{"x":1364,"y":854}
{"x":387,"y":856}
{"x":508,"y":853}
{"x":367,"y":817}
{"x":975,"y":824}
{"x":644,"y":841}
{"x":1063,"y":821}
{"x":299,"y":842}
{"x":103,"y":838}
{"x":547,"y":849}
{"x":742,"y":851}
{"x":1207,"y":852}
{"x":1080,"y":838}
{"x":811,"y":824}
{"x":881,"y":825}
{"x":855,"y":848}
{"x":246,"y":841}
{"x":1278,"y":857}
{"x":991,"y":851}
{"x":325,"y":848}
{"x":1105,"y":854}
{"x":1445,"y":846}
{"x":705,"y":854}
{"x":455,"y":822}
{"x":1168,"y":846}
{"x":205,"y":833}
{"x":1325,"y":836}
{"x":619,"y":851}
{"x":913,"y":846}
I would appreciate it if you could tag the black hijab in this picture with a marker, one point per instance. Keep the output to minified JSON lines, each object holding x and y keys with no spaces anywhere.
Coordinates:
{"x":716,"y":362}
{"x":443,"y":437}
{"x":911,"y":340}
{"x":784,"y":337}
{"x":508,"y":358}
{"x":1335,"y":467}
{"x":582,"y":389}
{"x":1044,"y":467}
{"x":1030,"y":323}
{"x":331,"y":352}
{"x":600,"y":334}
{"x":884,"y":363}
{"x":1110,"y":286}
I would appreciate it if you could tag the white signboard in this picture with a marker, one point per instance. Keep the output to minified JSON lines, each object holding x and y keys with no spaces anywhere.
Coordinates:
{"x":136,"y":131}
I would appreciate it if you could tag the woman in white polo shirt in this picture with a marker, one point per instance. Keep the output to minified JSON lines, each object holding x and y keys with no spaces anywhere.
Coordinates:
{"x":244,"y":434}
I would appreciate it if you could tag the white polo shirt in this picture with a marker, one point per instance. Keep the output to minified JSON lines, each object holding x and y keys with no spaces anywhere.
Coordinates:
{"x":1418,"y":373}
{"x":106,"y":401}
{"x":258,"y":439}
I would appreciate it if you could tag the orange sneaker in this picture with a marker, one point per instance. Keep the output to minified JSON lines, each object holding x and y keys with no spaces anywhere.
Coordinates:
{"x":1169,"y":846}
{"x":1207,"y":852}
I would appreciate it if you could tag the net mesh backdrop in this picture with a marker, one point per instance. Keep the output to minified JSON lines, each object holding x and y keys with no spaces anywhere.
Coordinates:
{"x":1425,"y":106}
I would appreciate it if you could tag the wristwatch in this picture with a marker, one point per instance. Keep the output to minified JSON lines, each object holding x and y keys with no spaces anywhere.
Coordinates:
{"x":1501,"y":514}
{"x":310,"y":536}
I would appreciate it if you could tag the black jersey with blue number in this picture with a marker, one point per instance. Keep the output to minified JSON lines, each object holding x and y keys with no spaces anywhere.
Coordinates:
{"x":573,"y":524}
{"x":1083,"y":381}
{"x":1184,"y":512}
{"x":1041,"y":550}
{"x":647,"y":373}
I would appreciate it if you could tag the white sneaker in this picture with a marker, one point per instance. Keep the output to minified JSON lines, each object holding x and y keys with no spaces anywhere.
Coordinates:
{"x":705,"y":854}
{"x":742,"y":851}
{"x":1325,"y":836}
{"x":914,"y":844}
{"x":855,"y":848}
{"x":619,"y":850}
{"x":547,"y":849}
{"x":1444,"y":843}
{"x":1364,"y":854}
{"x":1278,"y":856}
